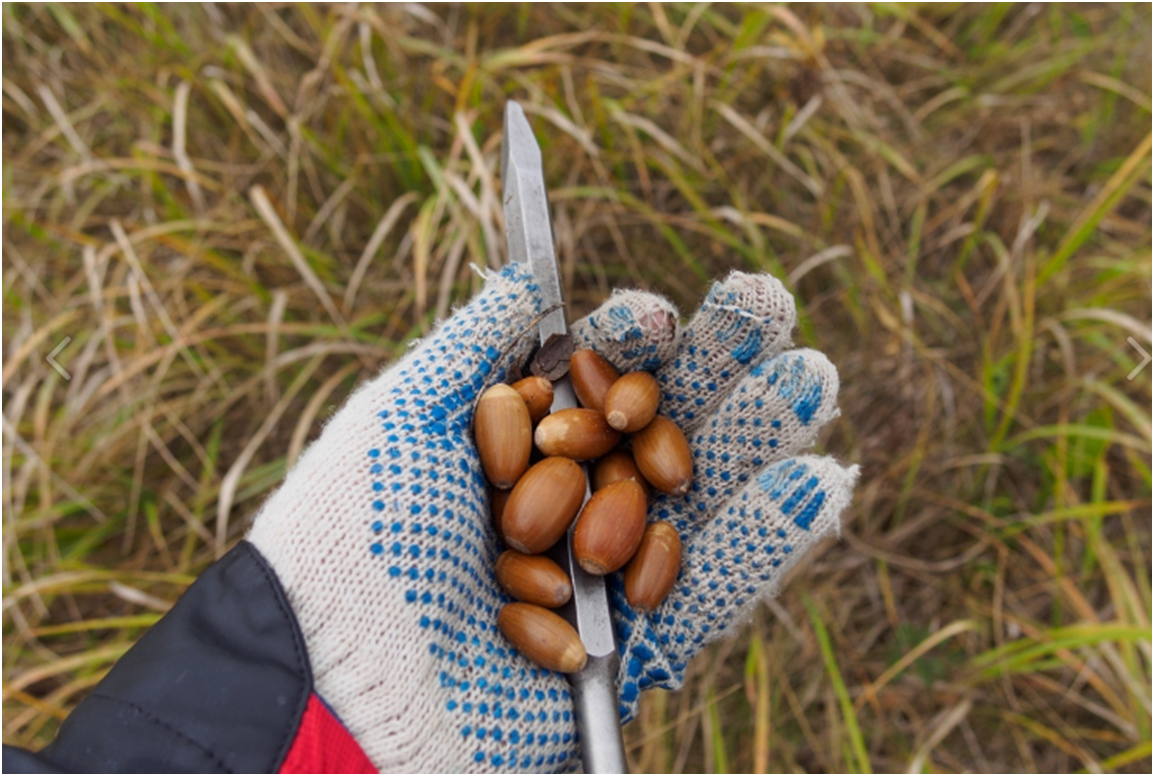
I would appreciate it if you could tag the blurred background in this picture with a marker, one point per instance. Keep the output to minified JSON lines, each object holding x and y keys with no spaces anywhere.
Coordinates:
{"x":219,"y":219}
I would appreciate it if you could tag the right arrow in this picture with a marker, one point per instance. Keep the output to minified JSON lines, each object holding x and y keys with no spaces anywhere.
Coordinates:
{"x":1145,"y":358}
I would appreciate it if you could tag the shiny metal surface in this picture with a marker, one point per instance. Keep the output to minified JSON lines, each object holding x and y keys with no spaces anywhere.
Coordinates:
{"x":529,"y":230}
{"x":528,"y":226}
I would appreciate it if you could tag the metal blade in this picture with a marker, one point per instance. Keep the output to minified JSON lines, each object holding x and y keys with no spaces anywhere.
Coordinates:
{"x":529,"y":230}
{"x":528,"y":226}
{"x":530,"y":234}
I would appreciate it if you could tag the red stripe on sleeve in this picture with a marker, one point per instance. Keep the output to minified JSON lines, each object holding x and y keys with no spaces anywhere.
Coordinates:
{"x":323,"y":745}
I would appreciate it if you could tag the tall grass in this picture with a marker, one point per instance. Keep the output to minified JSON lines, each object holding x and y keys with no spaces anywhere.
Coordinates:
{"x":238,"y":213}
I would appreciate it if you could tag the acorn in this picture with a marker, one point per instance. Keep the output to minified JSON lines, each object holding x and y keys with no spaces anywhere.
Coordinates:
{"x":617,"y":465}
{"x":543,"y":504}
{"x":580,"y":434}
{"x":632,"y":402}
{"x":592,"y":377}
{"x":543,"y":637}
{"x":662,"y":454}
{"x":497,"y":500}
{"x":533,"y":579}
{"x":504,"y":435}
{"x":610,"y":527}
{"x":537,"y":392}
{"x":653,"y":570}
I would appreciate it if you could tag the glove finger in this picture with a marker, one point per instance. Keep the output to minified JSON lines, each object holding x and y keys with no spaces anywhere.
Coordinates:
{"x":434,"y":387}
{"x":731,"y":563}
{"x":773,"y":413}
{"x":633,"y":330}
{"x":743,"y":318}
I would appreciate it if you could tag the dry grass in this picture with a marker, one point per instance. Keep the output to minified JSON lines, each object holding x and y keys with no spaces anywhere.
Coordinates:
{"x":236,"y":213}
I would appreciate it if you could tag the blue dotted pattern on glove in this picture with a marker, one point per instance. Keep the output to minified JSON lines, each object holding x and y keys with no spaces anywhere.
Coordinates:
{"x":726,"y":562}
{"x":434,"y":533}
{"x":728,"y":557}
{"x":432,"y":527}
{"x":744,"y":434}
{"x":617,"y":324}
{"x":735,"y":340}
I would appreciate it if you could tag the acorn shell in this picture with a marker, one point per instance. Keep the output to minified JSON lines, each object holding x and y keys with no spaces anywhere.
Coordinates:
{"x":617,"y":465}
{"x":610,"y":527}
{"x":663,"y":456}
{"x":504,"y":435}
{"x":543,"y":504}
{"x":592,"y":378}
{"x":497,"y":500}
{"x":632,"y":402}
{"x":533,"y":579}
{"x":580,"y":434}
{"x":653,"y":571}
{"x":543,"y":637}
{"x":537,"y":393}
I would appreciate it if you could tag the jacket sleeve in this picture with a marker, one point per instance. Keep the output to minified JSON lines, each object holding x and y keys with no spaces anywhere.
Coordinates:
{"x":220,"y":684}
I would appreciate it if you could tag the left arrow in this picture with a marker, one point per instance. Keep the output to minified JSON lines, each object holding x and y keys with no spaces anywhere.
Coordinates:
{"x":51,"y":358}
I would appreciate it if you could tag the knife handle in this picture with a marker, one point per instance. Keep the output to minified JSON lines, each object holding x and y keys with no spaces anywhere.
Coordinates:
{"x":598,"y":720}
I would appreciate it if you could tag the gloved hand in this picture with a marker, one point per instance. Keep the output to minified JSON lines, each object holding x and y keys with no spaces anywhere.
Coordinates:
{"x":382,"y":538}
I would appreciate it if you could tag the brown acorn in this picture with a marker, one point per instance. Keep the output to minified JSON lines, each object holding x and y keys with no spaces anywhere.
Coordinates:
{"x":592,"y":377}
{"x":504,"y":435}
{"x":537,"y":393}
{"x":610,"y":527}
{"x":632,"y":402}
{"x":653,"y":571}
{"x":580,"y":434}
{"x":662,"y":454}
{"x":543,"y":637}
{"x":617,"y":465}
{"x":497,"y":500}
{"x":533,"y":579}
{"x":543,"y":504}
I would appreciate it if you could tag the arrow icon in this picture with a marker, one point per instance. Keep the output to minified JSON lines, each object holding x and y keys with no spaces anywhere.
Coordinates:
{"x":1145,"y":358}
{"x":51,"y":358}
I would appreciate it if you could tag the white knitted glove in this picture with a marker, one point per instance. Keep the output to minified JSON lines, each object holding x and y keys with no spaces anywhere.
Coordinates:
{"x":382,"y":539}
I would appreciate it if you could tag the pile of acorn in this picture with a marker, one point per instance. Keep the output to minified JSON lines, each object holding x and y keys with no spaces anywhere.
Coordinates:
{"x":534,"y":506}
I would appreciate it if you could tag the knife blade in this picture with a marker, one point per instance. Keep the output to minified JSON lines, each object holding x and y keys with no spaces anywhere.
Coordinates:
{"x":529,"y":231}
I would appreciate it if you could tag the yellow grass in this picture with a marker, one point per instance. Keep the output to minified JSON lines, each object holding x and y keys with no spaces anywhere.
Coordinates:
{"x":238,"y":212}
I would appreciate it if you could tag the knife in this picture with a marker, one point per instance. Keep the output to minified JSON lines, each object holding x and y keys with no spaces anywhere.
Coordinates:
{"x":529,"y":231}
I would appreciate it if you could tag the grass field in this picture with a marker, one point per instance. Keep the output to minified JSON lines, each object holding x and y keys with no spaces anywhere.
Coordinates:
{"x":236,"y":213}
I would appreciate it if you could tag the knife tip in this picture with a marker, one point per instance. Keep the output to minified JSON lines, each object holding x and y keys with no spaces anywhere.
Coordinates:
{"x":518,"y":144}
